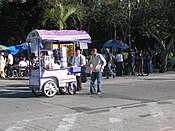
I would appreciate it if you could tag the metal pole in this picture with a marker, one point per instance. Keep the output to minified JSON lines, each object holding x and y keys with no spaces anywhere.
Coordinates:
{"x":129,"y":23}
{"x":39,"y":60}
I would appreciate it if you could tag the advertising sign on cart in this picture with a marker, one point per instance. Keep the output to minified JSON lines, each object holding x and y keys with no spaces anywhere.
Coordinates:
{"x":64,"y":57}
{"x":34,"y":45}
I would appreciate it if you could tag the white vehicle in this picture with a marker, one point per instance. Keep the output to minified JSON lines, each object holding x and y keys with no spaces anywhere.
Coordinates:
{"x":47,"y":77}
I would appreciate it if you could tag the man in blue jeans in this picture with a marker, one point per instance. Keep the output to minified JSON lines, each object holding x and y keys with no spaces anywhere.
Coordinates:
{"x":98,"y":63}
{"x":108,"y":70}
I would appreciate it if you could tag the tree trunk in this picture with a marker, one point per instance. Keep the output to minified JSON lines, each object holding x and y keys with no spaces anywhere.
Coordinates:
{"x":165,"y":48}
{"x":165,"y":52}
{"x":164,"y":60}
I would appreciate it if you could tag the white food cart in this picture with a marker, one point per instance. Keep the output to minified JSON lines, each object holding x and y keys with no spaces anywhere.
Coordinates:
{"x":47,"y":77}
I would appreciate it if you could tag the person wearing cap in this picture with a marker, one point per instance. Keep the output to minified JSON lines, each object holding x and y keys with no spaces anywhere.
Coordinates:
{"x":108,"y":70}
{"x":2,"y":65}
{"x":78,"y":60}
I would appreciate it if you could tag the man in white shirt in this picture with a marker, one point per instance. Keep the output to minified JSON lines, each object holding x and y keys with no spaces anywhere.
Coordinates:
{"x":78,"y":60}
{"x":9,"y":63}
{"x":119,"y":57}
{"x":23,"y":63}
{"x":23,"y":66}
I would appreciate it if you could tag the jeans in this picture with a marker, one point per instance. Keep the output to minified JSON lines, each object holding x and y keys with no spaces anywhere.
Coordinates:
{"x":79,"y":84}
{"x":9,"y":70}
{"x":119,"y":68}
{"x":94,"y":76}
{"x":108,"y":70}
{"x":132,"y":65}
{"x":149,"y":67}
{"x":140,"y":67}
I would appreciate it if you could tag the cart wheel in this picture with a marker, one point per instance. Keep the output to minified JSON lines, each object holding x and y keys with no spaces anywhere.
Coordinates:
{"x":37,"y":92}
{"x":71,"y":88}
{"x":49,"y":89}
{"x":62,"y":90}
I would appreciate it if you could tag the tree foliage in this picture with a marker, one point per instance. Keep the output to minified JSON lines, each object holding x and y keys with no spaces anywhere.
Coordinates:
{"x":154,"y":19}
{"x":60,"y":13}
{"x":18,"y":18}
{"x":157,"y":21}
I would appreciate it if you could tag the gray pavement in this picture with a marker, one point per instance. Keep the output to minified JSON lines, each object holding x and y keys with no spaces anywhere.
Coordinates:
{"x":129,"y":103}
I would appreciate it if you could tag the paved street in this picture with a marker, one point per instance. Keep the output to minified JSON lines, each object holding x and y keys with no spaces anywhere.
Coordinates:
{"x":129,"y":103}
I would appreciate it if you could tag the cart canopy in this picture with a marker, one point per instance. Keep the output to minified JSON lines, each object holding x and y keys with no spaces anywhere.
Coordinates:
{"x":59,"y":36}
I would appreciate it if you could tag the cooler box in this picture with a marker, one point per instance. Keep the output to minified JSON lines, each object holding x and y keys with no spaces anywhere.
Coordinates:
{"x":77,"y":69}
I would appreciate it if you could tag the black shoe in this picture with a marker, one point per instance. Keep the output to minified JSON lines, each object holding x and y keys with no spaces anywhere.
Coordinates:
{"x":113,"y":76}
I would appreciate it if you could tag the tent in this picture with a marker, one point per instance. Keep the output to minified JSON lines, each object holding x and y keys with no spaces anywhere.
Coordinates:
{"x":18,"y":48}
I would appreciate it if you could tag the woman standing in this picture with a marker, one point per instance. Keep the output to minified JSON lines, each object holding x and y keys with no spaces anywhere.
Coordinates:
{"x":2,"y":65}
{"x":148,"y":62}
{"x":119,"y":65}
{"x":140,"y":63}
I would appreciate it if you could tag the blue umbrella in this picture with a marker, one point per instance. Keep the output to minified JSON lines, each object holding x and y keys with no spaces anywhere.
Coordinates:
{"x":115,"y":43}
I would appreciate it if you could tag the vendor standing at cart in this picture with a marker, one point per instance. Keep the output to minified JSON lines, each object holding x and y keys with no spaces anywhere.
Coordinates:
{"x":78,"y":60}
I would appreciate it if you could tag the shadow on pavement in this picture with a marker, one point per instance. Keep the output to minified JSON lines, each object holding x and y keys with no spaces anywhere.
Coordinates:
{"x":164,"y":79}
{"x":12,"y":94}
{"x":14,"y":86}
{"x":15,"y":91}
{"x":17,"y":78}
{"x":20,"y":91}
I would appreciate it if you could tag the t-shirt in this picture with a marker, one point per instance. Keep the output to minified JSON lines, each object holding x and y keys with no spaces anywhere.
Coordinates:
{"x":119,"y":57}
{"x":10,"y":58}
{"x":22,"y":64}
{"x":108,"y":57}
{"x":97,"y":62}
{"x":78,"y":60}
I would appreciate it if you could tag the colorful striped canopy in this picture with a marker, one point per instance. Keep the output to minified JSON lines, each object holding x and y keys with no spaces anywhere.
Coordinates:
{"x":2,"y":47}
{"x":116,"y":43}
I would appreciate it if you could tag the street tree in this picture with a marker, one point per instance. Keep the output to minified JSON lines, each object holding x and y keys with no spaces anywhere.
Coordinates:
{"x":158,"y":22}
{"x":17,"y":19}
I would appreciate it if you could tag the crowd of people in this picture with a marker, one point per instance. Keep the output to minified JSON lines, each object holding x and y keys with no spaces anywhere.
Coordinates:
{"x":128,"y":63}
{"x":9,"y":69}
{"x":136,"y":63}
